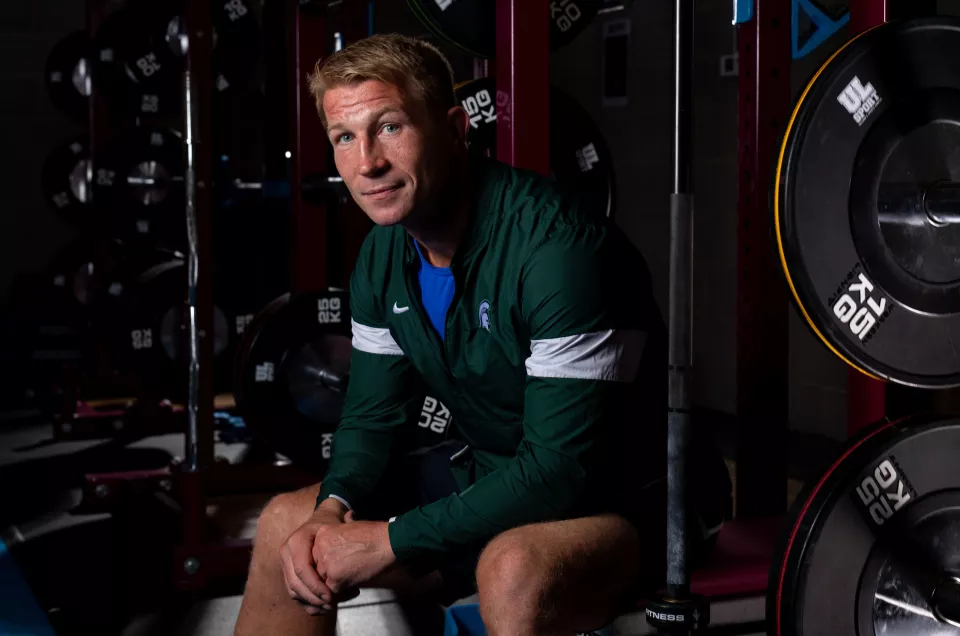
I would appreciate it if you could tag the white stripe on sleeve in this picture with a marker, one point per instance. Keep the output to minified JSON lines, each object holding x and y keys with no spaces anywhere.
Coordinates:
{"x":604,"y":355}
{"x":374,"y":340}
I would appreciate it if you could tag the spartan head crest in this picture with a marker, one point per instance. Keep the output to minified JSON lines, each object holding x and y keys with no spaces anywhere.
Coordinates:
{"x":484,"y":311}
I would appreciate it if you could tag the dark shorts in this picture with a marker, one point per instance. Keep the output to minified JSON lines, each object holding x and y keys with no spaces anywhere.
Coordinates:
{"x":419,"y":478}
{"x":423,"y":476}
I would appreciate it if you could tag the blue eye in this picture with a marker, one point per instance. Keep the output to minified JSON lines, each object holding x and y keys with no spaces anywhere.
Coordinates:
{"x":343,"y":138}
{"x":390,"y":128}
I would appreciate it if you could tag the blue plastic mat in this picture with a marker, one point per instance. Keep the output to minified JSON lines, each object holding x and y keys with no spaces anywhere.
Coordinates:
{"x":20,"y":614}
{"x":464,"y":620}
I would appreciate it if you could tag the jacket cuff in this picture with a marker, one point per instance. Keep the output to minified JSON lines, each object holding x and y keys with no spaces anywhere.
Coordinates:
{"x":337,"y":491}
{"x":418,"y":561}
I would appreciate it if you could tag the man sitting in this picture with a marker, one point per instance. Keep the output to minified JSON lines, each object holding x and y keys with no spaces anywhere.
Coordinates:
{"x":533,"y":319}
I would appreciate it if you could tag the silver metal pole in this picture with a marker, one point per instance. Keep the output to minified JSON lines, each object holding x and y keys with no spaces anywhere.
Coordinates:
{"x":193,"y":401}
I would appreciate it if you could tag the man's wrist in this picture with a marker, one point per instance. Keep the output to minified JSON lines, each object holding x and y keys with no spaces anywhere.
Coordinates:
{"x":334,"y":506}
{"x":385,"y":538}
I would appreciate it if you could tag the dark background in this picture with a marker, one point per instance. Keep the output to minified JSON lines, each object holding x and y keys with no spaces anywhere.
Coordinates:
{"x":639,"y":135}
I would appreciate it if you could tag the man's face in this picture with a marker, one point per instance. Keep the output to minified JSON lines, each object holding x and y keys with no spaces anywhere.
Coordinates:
{"x":393,"y":156}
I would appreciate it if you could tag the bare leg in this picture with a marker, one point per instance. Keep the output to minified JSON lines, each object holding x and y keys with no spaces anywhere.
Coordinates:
{"x":266,"y":607}
{"x":560,"y":577}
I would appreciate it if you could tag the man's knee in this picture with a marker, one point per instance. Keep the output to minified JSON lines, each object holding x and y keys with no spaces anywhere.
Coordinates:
{"x":284,"y":514}
{"x":512,"y":571}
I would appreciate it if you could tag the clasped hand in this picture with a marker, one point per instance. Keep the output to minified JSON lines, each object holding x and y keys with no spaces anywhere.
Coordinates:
{"x":327,"y":559}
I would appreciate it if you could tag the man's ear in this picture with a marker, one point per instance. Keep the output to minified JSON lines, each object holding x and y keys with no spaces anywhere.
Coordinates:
{"x":459,"y":122}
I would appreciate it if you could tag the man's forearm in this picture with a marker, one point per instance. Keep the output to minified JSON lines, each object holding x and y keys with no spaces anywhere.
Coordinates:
{"x":534,"y":486}
{"x":361,"y":451}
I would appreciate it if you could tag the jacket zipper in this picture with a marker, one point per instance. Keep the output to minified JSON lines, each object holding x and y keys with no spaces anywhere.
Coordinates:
{"x":439,"y":345}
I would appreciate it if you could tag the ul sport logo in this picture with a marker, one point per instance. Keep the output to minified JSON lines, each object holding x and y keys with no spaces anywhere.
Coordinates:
{"x":859,"y":100}
{"x":484,"y":311}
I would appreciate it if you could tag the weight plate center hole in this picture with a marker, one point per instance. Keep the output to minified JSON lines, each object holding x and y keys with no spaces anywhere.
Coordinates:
{"x":317,"y":375}
{"x":919,"y":232}
{"x":82,"y":81}
{"x":80,"y":179}
{"x":898,"y":607}
{"x":149,"y":183}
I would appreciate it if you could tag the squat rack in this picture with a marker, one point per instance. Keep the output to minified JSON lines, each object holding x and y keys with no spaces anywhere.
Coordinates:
{"x":203,"y":561}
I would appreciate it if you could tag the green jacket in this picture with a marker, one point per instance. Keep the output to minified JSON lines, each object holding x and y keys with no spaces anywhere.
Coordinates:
{"x":553,"y":366}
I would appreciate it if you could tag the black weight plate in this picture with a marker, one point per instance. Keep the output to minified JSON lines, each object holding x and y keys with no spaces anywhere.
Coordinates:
{"x":876,"y":282}
{"x":414,"y":6}
{"x":277,"y":389}
{"x":235,"y":42}
{"x":58,"y":312}
{"x":138,"y":181}
{"x":67,"y":181}
{"x":142,"y":52}
{"x":832,"y":561}
{"x":69,"y":75}
{"x":149,"y":338}
{"x":579,"y":156}
{"x":890,"y":603}
{"x":472,"y":24}
{"x":125,"y":53}
{"x":116,"y":284}
{"x":237,"y":45}
{"x":281,"y":393}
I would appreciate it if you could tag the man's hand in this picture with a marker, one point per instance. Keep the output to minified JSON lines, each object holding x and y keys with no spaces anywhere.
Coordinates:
{"x":349,"y":555}
{"x":304,"y":584}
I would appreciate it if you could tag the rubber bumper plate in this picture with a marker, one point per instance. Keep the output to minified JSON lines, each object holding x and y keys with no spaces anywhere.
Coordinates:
{"x":149,"y":337}
{"x":471,"y":25}
{"x":138,"y":180}
{"x":67,"y":181}
{"x":293,"y":370}
{"x":293,"y":364}
{"x":140,"y":53}
{"x":69,"y":76}
{"x":876,"y":279}
{"x":579,"y":156}
{"x":893,"y":492}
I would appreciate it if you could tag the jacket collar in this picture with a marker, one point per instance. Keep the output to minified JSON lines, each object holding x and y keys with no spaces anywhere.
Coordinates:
{"x":484,"y":212}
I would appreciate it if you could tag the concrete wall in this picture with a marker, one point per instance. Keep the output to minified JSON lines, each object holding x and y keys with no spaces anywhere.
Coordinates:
{"x":640,"y":137}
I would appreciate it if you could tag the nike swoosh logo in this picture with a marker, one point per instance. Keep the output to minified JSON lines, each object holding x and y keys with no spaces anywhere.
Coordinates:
{"x":400,"y":310}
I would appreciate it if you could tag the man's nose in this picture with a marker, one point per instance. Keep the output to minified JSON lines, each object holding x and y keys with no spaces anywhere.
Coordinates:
{"x":372,"y":160}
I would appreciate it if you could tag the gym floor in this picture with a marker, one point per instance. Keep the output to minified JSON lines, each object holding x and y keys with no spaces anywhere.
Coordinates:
{"x":84,"y":570}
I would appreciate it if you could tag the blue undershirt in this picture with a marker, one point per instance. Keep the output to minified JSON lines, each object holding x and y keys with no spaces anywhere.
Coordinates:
{"x":437,"y":287}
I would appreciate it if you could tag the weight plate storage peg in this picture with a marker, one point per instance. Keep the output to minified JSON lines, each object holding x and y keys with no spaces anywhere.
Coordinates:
{"x":69,"y":76}
{"x":67,"y":180}
{"x":472,"y":24}
{"x":866,"y":209}
{"x":873,"y":547}
{"x":579,"y":155}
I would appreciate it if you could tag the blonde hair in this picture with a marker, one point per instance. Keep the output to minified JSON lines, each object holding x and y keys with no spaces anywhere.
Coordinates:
{"x":417,"y":67}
